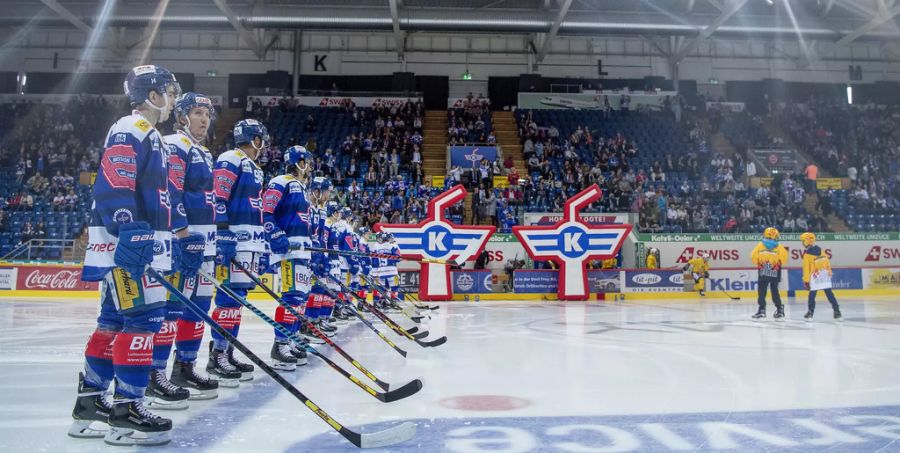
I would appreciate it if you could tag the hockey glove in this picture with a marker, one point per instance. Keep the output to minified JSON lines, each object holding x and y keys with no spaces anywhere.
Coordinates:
{"x":806,"y":285}
{"x":226,"y":247}
{"x":278,"y":241}
{"x":263,"y":265}
{"x":135,"y":249}
{"x":188,"y":254}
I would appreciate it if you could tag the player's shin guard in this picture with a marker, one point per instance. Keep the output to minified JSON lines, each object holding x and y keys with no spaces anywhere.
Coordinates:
{"x":163,"y":340}
{"x":189,"y":332}
{"x":230,"y":319}
{"x":98,"y":359}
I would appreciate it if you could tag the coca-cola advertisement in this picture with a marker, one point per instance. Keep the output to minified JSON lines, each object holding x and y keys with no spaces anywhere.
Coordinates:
{"x":52,"y":278}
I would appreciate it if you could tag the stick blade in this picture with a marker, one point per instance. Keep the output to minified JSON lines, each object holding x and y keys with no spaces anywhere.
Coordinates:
{"x":432,"y":344}
{"x":409,"y":389}
{"x":412,"y":330}
{"x":419,"y":335}
{"x":391,"y":436}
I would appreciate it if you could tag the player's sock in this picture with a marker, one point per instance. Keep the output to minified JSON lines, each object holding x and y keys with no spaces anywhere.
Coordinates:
{"x":229,"y":319}
{"x":98,"y":359}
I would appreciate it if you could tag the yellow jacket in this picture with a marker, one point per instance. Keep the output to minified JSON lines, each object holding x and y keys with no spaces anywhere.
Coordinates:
{"x":698,"y":265}
{"x":651,"y":262}
{"x":769,"y":262}
{"x":814,"y":260}
{"x":610,"y":263}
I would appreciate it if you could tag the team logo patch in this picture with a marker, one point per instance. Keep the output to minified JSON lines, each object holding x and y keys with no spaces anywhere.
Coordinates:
{"x":158,"y":248}
{"x":119,"y":167}
{"x":123,"y":216}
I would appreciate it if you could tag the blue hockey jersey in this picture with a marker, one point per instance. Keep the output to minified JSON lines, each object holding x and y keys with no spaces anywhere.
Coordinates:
{"x":195,"y":200}
{"x":238,"y":184}
{"x":285,"y":206}
{"x":132,"y":185}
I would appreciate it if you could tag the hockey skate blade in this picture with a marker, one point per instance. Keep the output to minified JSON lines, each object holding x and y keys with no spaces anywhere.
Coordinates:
{"x":246,"y":377}
{"x":126,"y":437}
{"x":283,"y":366}
{"x":88,"y":429}
{"x":163,"y":405}
{"x":410,"y":389}
{"x":391,"y":436}
{"x":203,"y":395}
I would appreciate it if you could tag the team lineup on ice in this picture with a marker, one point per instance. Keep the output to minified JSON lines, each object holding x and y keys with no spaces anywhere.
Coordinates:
{"x":335,"y":355}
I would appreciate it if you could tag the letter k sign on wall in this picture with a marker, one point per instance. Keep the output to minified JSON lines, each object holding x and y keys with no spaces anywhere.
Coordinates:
{"x":438,"y":239}
{"x":571,"y":243}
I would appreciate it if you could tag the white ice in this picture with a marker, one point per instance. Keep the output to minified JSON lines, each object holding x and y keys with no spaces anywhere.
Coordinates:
{"x":609,"y":376}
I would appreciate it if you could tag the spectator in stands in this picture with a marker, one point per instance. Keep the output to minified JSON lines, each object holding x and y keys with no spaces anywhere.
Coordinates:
{"x":812,"y":173}
{"x":28,"y":232}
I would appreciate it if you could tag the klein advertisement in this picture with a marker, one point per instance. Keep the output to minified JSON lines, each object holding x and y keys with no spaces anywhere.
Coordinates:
{"x":471,"y":156}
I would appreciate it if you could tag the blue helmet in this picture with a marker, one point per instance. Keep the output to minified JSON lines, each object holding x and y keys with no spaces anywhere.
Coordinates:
{"x":246,"y":130}
{"x":189,"y":100}
{"x":326,"y":183}
{"x":331,"y":208}
{"x":346,"y":213}
{"x":141,"y":80}
{"x":295,"y":154}
{"x":362,"y":231}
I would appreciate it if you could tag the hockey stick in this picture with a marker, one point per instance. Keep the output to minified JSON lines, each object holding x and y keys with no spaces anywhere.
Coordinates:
{"x":312,"y":327}
{"x":384,"y":290}
{"x":415,"y":302}
{"x":391,"y":436}
{"x":365,"y":321}
{"x":393,"y":325}
{"x":403,"y":392}
{"x":730,"y":296}
{"x":387,"y":256}
{"x":412,"y":333}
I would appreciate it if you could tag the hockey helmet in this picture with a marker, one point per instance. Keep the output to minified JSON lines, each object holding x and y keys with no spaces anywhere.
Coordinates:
{"x":808,"y":239}
{"x":245,"y":131}
{"x":771,"y":233}
{"x":141,"y":80}
{"x":332,"y":208}
{"x":294,"y":154}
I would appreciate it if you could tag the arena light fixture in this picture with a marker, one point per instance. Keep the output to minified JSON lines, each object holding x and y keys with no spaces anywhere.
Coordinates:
{"x":850,"y":94}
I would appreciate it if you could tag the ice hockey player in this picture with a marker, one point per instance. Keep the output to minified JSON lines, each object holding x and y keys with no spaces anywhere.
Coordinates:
{"x":286,"y":208}
{"x":384,"y":271}
{"x":769,"y":257}
{"x":130,"y":229}
{"x":320,"y":303}
{"x":331,"y":235}
{"x":699,"y":268}
{"x":359,"y":282}
{"x":238,"y":184}
{"x":347,"y":241}
{"x":652,"y":258}
{"x":190,"y":186}
{"x":817,"y":276}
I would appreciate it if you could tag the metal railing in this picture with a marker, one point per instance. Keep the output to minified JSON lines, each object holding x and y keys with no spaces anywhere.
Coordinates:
{"x":40,"y":249}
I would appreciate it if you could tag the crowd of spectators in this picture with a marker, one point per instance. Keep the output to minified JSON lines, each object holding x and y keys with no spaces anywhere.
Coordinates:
{"x":469,"y":122}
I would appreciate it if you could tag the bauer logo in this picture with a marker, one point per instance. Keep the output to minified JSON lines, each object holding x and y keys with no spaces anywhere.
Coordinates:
{"x":646,"y":279}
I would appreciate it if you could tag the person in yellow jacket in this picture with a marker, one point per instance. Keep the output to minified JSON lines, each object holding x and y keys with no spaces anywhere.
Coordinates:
{"x":769,"y":257}
{"x":817,"y":276}
{"x":609,"y":263}
{"x":652,"y":260}
{"x":699,"y":266}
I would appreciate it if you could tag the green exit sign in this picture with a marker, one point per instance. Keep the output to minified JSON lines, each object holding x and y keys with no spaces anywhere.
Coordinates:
{"x":467,"y":75}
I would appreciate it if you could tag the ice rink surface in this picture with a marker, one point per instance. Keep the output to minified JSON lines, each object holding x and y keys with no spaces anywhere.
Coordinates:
{"x":520,"y":377}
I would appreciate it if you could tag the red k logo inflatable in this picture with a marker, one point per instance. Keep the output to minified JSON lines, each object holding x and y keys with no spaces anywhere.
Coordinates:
{"x":571,"y":243}
{"x":436,"y":238}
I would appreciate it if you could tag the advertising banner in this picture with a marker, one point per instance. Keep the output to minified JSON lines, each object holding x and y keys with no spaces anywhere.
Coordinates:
{"x":332,"y":101}
{"x":437,"y":181}
{"x":776,"y":159}
{"x":829,"y":183}
{"x":471,"y":156}
{"x":733,"y":250}
{"x":593,"y":101}
{"x":472,"y":282}
{"x":734,"y":107}
{"x":549,"y":218}
{"x":8,"y":278}
{"x":882,"y":278}
{"x":44,"y":277}
{"x":653,"y":281}
{"x":840,"y":279}
{"x":546,"y":281}
{"x":409,"y":281}
{"x":500,"y":182}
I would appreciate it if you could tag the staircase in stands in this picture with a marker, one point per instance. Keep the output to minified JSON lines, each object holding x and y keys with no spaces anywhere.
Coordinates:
{"x":224,"y":123}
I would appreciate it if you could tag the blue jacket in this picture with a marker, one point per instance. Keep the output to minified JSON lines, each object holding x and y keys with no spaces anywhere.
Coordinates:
{"x":238,"y":184}
{"x":193,"y":197}
{"x":285,"y":206}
